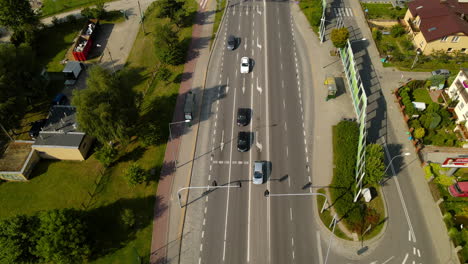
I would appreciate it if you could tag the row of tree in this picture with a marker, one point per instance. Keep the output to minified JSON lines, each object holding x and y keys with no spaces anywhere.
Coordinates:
{"x":56,"y":236}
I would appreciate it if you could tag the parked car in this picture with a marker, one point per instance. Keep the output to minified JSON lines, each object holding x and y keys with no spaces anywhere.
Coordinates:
{"x":231,"y":42}
{"x":243,"y":116}
{"x":60,"y":99}
{"x":245,"y":65}
{"x":36,"y":127}
{"x":442,"y":72}
{"x":243,"y":141}
{"x":459,"y":189}
{"x":259,"y":173}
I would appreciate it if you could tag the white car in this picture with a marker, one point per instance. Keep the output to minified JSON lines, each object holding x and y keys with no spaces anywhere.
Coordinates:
{"x":245,"y":65}
{"x":258,"y":172}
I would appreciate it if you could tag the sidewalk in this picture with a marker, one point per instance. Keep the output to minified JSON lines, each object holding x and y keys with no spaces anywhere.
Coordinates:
{"x":168,"y":216}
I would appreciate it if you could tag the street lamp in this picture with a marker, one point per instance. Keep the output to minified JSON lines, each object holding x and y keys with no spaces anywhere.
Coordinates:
{"x":213,"y":186}
{"x":401,"y":155}
{"x":170,"y":134}
{"x":415,"y":58}
{"x":268,"y":194}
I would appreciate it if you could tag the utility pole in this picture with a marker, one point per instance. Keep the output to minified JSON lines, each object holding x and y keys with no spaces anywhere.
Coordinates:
{"x":141,"y":18}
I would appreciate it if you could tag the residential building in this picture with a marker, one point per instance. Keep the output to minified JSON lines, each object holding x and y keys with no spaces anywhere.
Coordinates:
{"x":60,"y":138}
{"x":458,"y":91}
{"x":438,"y":25}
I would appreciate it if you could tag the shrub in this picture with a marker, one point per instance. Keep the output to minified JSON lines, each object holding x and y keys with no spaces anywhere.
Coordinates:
{"x":106,"y":155}
{"x":55,"y":21}
{"x":433,"y":108}
{"x":339,"y":37}
{"x":151,"y":134}
{"x":397,"y":30}
{"x":415,"y":84}
{"x":414,"y":123}
{"x":128,"y":217}
{"x":135,"y":174}
{"x":70,"y":19}
{"x":419,"y":132}
{"x":163,"y":74}
{"x":377,"y":34}
{"x":407,"y":45}
{"x":375,"y":165}
{"x":428,"y":171}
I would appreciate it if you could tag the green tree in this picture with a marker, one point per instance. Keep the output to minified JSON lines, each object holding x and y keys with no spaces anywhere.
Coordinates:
{"x":339,"y":37}
{"x":62,"y":237}
{"x":96,"y":12}
{"x":106,"y":155}
{"x":19,"y":79}
{"x":18,"y":16}
{"x":106,"y":109}
{"x":168,"y":8}
{"x":419,"y":133}
{"x":397,"y":30}
{"x":169,"y":49}
{"x":374,"y":164}
{"x":151,"y":134}
{"x":377,"y":34}
{"x":17,"y":236}
{"x":128,"y":218}
{"x":135,"y":174}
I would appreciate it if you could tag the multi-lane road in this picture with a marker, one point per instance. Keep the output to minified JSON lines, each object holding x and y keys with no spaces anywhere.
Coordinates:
{"x":241,"y":225}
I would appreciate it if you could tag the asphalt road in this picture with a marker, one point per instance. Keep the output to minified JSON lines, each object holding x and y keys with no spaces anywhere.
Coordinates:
{"x":240,"y":225}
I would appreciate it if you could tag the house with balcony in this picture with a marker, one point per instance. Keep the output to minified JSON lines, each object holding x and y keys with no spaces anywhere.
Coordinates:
{"x":458,"y":92}
{"x":438,"y":25}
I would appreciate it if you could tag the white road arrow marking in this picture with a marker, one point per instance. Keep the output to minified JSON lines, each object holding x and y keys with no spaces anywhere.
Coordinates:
{"x":243,"y":87}
{"x":258,"y":87}
{"x":258,"y":45}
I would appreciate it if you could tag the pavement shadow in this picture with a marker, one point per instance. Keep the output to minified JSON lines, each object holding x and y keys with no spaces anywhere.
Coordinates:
{"x":377,"y":122}
{"x":163,"y":259}
{"x":107,"y":232}
{"x":211,"y":190}
{"x":101,"y":40}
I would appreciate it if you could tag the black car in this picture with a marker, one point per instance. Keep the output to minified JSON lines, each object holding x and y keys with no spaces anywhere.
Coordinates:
{"x":36,"y":127}
{"x":243,"y":141}
{"x":231,"y":42}
{"x":243,"y":116}
{"x":60,"y":99}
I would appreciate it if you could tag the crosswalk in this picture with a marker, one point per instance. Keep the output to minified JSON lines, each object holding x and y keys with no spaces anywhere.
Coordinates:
{"x":343,"y":12}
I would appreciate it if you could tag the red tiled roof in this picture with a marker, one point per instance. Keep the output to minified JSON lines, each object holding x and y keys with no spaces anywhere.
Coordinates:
{"x":440,"y":18}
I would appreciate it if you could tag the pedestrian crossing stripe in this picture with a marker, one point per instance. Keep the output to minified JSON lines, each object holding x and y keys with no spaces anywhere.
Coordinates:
{"x":239,"y":162}
{"x":343,"y":11}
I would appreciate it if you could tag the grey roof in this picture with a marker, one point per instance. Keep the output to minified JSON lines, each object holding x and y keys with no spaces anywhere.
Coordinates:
{"x":71,"y":65}
{"x":61,"y":129}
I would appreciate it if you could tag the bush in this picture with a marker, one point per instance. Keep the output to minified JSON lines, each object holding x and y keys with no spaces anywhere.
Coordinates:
{"x":407,"y":45}
{"x":106,"y":155}
{"x":414,"y":123}
{"x":163,"y":74}
{"x":70,"y":19}
{"x":419,"y":132}
{"x":339,"y":37}
{"x":135,"y":174}
{"x":345,"y":143}
{"x":151,"y":134}
{"x":415,"y":84}
{"x":397,"y":30}
{"x":377,"y":34}
{"x":375,"y":165}
{"x":128,"y":218}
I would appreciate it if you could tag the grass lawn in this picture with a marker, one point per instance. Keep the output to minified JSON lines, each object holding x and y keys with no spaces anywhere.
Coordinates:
{"x":327,"y":218}
{"x":52,"y":7}
{"x":105,"y":194}
{"x":422,"y":95}
{"x":312,"y":9}
{"x":383,"y":11}
{"x":219,"y":14}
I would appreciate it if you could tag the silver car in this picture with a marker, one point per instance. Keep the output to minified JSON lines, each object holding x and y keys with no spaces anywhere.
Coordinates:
{"x":258,"y":172}
{"x":443,"y":72}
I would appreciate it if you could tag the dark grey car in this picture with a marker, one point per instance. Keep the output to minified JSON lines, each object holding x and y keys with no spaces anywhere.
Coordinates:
{"x":231,"y":42}
{"x":443,"y":72}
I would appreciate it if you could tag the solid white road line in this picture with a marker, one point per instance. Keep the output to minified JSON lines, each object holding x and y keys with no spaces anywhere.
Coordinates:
{"x":250,"y":177}
{"x":319,"y":248}
{"x":404,"y":260}
{"x":229,"y":177}
{"x":385,"y":262}
{"x":403,"y":204}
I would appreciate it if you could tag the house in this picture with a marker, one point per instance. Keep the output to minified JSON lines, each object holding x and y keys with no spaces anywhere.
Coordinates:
{"x":458,"y":91}
{"x":438,"y":25}
{"x":60,"y":138}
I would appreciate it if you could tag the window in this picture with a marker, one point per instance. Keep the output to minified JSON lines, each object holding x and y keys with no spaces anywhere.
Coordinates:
{"x":421,"y":44}
{"x":461,"y":105}
{"x":449,"y":50}
{"x":455,"y":38}
{"x":444,"y":39}
{"x":463,"y":50}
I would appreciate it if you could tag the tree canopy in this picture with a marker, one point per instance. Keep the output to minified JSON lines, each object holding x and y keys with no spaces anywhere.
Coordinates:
{"x":19,"y":17}
{"x":339,"y":37}
{"x":19,"y":78}
{"x":106,"y":109}
{"x":168,"y":49}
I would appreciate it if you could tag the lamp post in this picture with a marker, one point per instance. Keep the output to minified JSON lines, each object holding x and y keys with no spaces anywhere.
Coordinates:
{"x":170,"y":136}
{"x":213,"y":186}
{"x":415,"y":58}
{"x":268,"y":194}
{"x":401,"y":155}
